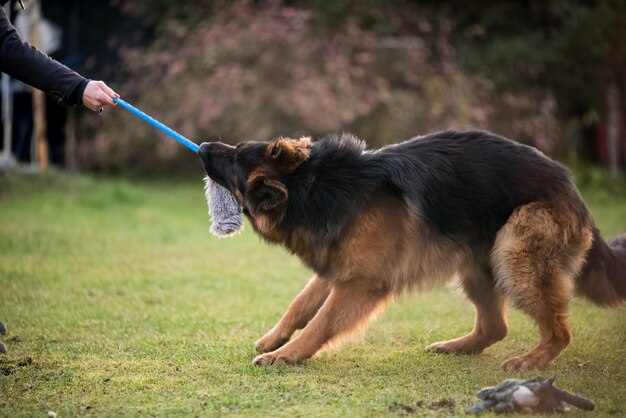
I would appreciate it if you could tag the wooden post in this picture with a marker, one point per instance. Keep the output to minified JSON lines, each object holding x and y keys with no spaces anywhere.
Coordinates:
{"x":39,"y":100}
{"x":71,"y":142}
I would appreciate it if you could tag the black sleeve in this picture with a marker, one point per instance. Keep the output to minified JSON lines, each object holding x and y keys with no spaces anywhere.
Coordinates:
{"x":23,"y":61}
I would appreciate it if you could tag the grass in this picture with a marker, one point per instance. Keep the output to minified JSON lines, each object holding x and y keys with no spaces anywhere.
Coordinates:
{"x":119,"y":303}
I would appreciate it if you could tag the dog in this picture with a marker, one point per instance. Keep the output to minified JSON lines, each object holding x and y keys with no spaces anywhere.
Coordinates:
{"x":371,"y":224}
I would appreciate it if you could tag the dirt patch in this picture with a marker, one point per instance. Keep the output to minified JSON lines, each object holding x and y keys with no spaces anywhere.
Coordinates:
{"x":442,"y":404}
{"x":415,"y":407}
{"x":8,"y":367}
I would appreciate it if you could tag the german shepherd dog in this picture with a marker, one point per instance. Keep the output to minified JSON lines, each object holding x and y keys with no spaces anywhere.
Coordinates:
{"x":501,"y":216}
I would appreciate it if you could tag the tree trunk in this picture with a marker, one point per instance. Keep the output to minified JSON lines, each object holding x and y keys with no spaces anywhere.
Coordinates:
{"x":613,"y":127}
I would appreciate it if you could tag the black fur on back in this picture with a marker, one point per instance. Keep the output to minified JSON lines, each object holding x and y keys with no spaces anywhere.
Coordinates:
{"x":466,"y":184}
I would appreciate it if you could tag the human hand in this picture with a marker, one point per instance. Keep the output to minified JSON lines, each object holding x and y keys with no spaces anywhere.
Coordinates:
{"x":98,"y":94}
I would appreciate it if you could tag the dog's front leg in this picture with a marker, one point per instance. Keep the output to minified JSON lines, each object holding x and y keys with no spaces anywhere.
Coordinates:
{"x":300,"y":312}
{"x":347,"y":308}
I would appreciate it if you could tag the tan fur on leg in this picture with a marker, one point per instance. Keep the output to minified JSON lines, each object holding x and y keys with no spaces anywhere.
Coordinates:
{"x":349,"y":306}
{"x":536,"y":257}
{"x":490,"y":323}
{"x":299,"y":313}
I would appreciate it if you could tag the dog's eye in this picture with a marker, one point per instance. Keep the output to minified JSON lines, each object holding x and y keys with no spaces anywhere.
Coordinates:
{"x":275,"y":150}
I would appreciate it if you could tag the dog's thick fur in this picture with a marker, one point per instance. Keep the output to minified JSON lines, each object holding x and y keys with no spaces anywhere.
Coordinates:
{"x":371,"y":224}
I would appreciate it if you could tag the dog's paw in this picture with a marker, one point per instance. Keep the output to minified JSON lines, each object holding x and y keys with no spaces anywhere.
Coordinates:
{"x":524,"y":362}
{"x":459,"y":346}
{"x":454,"y":347}
{"x":273,"y":359}
{"x":269,"y":342}
{"x":440,"y":347}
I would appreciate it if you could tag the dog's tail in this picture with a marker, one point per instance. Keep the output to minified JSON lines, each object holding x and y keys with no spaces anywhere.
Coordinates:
{"x":603,"y":279}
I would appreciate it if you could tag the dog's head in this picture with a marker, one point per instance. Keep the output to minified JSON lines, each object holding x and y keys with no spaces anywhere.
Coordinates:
{"x":256,"y":173}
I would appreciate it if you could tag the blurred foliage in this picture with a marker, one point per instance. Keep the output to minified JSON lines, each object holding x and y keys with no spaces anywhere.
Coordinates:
{"x":571,"y":48}
{"x":255,"y":70}
{"x":605,"y":184}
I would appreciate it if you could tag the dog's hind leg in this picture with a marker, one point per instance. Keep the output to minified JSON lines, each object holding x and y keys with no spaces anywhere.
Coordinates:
{"x":536,"y":257}
{"x":298,"y":315}
{"x":490,"y":323}
{"x":349,"y":307}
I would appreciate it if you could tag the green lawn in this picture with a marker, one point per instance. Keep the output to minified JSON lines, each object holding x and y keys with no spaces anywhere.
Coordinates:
{"x":119,"y":303}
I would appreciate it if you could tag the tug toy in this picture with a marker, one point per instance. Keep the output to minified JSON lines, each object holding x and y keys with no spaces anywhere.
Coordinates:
{"x":224,"y":209}
{"x":538,"y":394}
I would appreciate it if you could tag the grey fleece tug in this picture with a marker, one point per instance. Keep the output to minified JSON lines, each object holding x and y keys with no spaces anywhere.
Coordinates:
{"x":224,"y":209}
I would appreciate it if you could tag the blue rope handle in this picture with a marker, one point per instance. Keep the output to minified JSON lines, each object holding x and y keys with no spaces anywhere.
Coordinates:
{"x":166,"y":130}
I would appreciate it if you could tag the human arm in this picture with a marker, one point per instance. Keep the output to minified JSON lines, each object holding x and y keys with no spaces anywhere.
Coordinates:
{"x":23,"y":61}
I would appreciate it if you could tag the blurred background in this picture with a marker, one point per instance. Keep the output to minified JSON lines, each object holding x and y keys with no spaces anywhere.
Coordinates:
{"x":548,"y":73}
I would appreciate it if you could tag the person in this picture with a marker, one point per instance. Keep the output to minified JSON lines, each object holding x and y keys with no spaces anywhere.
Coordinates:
{"x":26,"y":63}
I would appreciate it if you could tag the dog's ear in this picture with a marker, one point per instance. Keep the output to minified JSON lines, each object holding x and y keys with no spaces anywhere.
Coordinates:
{"x":288,"y":154}
{"x":266,"y":200}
